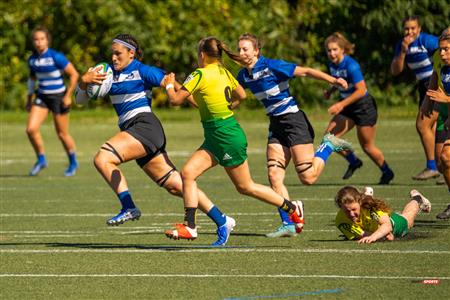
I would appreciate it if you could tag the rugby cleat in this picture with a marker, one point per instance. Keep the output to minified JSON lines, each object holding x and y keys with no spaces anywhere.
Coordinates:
{"x":336,"y":143}
{"x":285,"y":230}
{"x":386,"y":177}
{"x":424,"y":203}
{"x":182,"y":231}
{"x":71,"y":170}
{"x":445,"y":214}
{"x":224,"y":231}
{"x":352,"y":168}
{"x":38,"y":167}
{"x":426,"y":174}
{"x":297,"y":216}
{"x":124,"y":215}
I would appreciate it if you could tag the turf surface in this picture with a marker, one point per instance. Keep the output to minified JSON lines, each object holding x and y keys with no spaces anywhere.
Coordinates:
{"x":54,"y":243}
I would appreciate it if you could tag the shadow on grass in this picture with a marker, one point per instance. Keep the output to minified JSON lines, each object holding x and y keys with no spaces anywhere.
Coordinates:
{"x":16,"y":176}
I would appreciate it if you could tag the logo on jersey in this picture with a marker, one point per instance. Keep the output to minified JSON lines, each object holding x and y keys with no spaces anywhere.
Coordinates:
{"x":417,"y":49}
{"x":338,"y":73}
{"x":43,"y":62}
{"x":191,"y":76}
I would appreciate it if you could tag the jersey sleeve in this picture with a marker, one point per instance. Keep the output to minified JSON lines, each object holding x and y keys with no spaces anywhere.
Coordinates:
{"x":152,"y":76}
{"x":431,"y":42}
{"x":61,"y":61}
{"x":354,"y":73}
{"x":282,"y":69}
{"x":192,"y":82}
{"x":348,"y":228}
{"x":240,"y":78}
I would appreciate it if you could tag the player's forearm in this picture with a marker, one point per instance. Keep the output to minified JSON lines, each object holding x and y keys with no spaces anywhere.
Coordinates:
{"x":397,"y":64}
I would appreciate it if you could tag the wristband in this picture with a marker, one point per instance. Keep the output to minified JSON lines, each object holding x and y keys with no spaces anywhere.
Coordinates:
{"x":169,"y":86}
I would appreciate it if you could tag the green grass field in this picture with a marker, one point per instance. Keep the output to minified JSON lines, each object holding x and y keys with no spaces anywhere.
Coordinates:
{"x":54,"y":243}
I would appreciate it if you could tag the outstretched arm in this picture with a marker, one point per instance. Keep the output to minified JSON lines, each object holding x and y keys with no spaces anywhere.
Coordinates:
{"x":175,"y":97}
{"x":382,"y":231}
{"x":317,"y":74}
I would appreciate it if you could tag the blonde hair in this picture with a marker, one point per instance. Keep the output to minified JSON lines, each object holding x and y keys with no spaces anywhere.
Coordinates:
{"x":350,"y":194}
{"x":342,"y":42}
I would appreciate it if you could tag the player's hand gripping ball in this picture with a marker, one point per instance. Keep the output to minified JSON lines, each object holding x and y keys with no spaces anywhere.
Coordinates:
{"x":95,"y":91}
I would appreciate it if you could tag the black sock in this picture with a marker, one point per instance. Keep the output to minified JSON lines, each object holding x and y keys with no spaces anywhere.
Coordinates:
{"x":288,"y":206}
{"x":189,"y":216}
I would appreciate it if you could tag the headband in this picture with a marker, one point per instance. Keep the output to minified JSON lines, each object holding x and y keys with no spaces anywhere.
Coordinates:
{"x":129,"y":46}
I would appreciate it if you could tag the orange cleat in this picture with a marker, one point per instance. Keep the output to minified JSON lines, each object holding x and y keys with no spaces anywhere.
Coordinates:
{"x":182,"y":231}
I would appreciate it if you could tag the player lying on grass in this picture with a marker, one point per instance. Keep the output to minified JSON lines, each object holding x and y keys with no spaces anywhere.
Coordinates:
{"x":367,"y":219}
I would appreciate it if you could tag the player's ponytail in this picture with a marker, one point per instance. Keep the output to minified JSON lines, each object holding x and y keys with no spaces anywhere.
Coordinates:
{"x":213,"y":47}
{"x":131,"y":43}
{"x":350,"y":194}
{"x":342,"y":42}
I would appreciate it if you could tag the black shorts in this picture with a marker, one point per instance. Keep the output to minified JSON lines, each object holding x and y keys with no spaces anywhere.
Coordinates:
{"x":290,"y":130}
{"x":53,"y":102}
{"x":363,"y":112}
{"x":147,"y":129}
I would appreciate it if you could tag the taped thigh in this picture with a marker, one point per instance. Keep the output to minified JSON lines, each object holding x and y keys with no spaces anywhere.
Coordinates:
{"x":161,"y":181}
{"x":111,"y":149}
{"x":273,"y":163}
{"x":302,"y":167}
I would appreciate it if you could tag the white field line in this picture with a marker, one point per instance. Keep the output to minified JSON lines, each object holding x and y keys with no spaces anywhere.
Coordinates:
{"x":212,"y":249}
{"x":37,"y":215}
{"x":330,"y":276}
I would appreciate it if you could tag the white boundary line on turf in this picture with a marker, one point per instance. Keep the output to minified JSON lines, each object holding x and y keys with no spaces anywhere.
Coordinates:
{"x":146,"y":215}
{"x":332,"y":276}
{"x":210,"y":249}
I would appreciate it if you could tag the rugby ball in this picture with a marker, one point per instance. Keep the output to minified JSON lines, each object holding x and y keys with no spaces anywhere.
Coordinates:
{"x":95,"y":91}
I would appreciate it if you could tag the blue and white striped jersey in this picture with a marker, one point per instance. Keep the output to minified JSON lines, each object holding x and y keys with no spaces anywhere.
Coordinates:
{"x":128,"y":91}
{"x":419,"y":55}
{"x":48,"y":68}
{"x":269,"y":82}
{"x":444,"y":76}
{"x":350,"y":70}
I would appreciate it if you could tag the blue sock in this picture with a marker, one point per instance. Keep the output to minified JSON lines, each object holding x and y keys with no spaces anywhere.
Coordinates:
{"x":284,"y":217}
{"x":126,"y":200}
{"x":351,"y":158}
{"x":431,"y":164}
{"x":324,"y":151}
{"x":73,"y":159}
{"x":217,"y":216}
{"x":41,"y":159}
{"x":385,"y":168}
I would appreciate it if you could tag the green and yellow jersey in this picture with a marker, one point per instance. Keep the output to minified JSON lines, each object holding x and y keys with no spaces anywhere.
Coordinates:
{"x":211,"y":88}
{"x":369,"y":222}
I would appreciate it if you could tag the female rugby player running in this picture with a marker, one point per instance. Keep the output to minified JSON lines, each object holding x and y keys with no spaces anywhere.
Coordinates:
{"x":216,"y":91}
{"x":440,"y":92}
{"x":356,"y":106}
{"x":367,"y":219}
{"x":141,"y":137}
{"x":290,"y":133}
{"x":47,"y":66}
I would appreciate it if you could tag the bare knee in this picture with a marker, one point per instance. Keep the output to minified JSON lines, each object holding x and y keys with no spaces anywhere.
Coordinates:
{"x":308,"y":180}
{"x":31,"y":130}
{"x":245,"y":188}
{"x":276,"y":179}
{"x":101,"y":159}
{"x":174,"y":185}
{"x":445,"y":158}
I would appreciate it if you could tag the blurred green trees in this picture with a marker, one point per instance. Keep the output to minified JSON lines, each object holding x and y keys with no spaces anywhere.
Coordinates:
{"x":168,"y":32}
